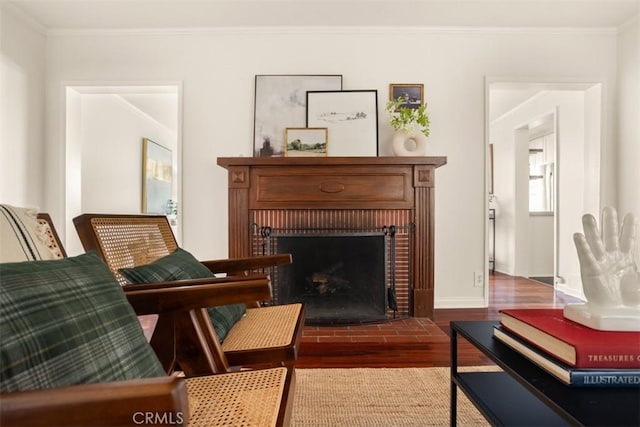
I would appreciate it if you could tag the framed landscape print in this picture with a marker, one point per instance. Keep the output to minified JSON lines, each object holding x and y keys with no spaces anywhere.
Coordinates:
{"x":351,"y":117}
{"x":306,"y":142}
{"x":280,"y":103}
{"x":157,"y":177}
{"x":412,"y":93}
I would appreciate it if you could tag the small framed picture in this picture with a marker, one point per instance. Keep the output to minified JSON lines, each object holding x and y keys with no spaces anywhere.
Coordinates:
{"x":306,"y":142}
{"x":412,"y":93}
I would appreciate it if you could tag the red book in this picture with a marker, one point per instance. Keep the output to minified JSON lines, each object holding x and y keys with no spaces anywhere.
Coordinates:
{"x":574,"y":344}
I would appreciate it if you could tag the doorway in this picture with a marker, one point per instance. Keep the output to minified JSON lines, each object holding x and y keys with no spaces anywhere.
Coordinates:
{"x":545,"y":143}
{"x":106,"y":127}
{"x":536,"y":176}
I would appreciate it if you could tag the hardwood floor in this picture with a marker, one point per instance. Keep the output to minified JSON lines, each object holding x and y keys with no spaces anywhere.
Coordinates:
{"x":416,"y":342}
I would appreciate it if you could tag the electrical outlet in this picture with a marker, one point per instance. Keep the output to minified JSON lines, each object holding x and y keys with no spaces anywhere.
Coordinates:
{"x":478,"y":279}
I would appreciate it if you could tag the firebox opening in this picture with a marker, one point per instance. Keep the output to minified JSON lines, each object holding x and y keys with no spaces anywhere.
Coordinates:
{"x":341,"y":278}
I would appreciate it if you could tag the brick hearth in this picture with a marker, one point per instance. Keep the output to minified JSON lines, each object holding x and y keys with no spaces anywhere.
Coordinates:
{"x":411,"y":330}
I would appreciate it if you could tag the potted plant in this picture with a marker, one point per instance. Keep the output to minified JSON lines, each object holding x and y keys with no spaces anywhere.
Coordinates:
{"x":411,"y":126}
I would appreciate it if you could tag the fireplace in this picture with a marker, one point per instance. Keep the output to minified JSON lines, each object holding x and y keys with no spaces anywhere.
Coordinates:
{"x":342,"y":275}
{"x":342,"y":193}
{"x":341,"y":278}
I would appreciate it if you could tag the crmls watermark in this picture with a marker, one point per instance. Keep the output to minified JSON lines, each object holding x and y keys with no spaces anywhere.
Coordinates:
{"x":164,"y":418}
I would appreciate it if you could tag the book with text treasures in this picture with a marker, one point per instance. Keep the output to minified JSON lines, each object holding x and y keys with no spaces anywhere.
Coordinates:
{"x":574,"y":377}
{"x":574,"y":344}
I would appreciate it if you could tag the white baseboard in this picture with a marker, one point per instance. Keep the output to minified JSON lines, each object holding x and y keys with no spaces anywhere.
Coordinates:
{"x":460,"y":303}
{"x":540,"y":274}
{"x":504,"y":269}
{"x":562,"y":287}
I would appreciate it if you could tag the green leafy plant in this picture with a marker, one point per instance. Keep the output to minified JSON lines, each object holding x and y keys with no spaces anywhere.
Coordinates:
{"x":172,"y":207}
{"x":408,"y":119}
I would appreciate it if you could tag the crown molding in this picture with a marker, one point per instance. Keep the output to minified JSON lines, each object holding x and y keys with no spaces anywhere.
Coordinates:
{"x":27,"y":19}
{"x":629,"y":23}
{"x":341,"y":30}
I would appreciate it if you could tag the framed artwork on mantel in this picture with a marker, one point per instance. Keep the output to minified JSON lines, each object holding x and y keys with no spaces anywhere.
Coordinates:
{"x":351,"y":117}
{"x":412,"y":93}
{"x":280,"y":103}
{"x":306,"y":142}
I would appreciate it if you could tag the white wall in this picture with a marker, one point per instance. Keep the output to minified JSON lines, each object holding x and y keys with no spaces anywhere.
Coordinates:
{"x":593,"y":158}
{"x":217,"y":69}
{"x":629,"y":119}
{"x":521,"y":200}
{"x":109,"y":137}
{"x":541,"y":246}
{"x":112,"y":133}
{"x":22,"y":74}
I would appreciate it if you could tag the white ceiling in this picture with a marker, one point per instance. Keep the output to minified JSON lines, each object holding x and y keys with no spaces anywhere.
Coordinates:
{"x":161,"y":107}
{"x":504,"y":96}
{"x":162,"y":14}
{"x":159,"y":103}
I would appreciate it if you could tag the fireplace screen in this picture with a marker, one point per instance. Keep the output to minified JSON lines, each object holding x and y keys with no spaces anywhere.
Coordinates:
{"x":341,"y":278}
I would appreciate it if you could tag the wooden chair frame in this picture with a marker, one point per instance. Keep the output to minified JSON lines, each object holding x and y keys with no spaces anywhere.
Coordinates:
{"x":113,"y":404}
{"x":198,"y":351}
{"x":45,"y":219}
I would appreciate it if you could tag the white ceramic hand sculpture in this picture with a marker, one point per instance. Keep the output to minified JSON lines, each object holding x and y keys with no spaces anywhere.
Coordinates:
{"x":609,"y":273}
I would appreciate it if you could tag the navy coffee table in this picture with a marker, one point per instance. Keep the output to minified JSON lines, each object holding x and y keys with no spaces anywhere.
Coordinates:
{"x":525,"y":395}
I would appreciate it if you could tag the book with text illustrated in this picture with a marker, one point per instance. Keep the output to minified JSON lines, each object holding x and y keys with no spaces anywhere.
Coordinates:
{"x":574,"y":377}
{"x":571,"y":342}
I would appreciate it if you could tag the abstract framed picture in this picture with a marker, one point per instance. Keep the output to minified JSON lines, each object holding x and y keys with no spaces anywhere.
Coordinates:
{"x":412,"y":93}
{"x":306,"y":142}
{"x":351,"y":117}
{"x":280,"y":103}
{"x":157,"y":177}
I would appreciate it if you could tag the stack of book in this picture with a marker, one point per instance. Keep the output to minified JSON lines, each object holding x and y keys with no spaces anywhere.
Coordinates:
{"x":575,"y":354}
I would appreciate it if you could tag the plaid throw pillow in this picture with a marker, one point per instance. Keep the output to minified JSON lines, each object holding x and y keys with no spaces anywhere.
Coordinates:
{"x":67,"y":322}
{"x":181,"y":265}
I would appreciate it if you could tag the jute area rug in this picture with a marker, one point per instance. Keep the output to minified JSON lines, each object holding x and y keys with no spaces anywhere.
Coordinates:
{"x":384,"y":397}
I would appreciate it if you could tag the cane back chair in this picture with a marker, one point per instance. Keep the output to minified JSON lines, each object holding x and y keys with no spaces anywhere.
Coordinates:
{"x":265,"y":336}
{"x":252,"y":398}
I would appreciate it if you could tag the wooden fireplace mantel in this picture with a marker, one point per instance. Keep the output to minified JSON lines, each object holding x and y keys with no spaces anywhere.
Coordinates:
{"x":339,"y":183}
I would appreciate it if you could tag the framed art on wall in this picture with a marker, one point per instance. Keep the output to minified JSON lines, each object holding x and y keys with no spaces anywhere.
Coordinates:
{"x":412,"y":93}
{"x":280,"y":103}
{"x":306,"y":142}
{"x":351,"y":117}
{"x":157,"y":177}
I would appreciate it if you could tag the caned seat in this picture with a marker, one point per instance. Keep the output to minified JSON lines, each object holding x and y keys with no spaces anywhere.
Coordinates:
{"x":265,"y":336}
{"x":93,"y":389}
{"x":246,"y":398}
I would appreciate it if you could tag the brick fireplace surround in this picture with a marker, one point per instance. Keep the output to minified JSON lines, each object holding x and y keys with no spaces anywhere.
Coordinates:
{"x":341,"y":192}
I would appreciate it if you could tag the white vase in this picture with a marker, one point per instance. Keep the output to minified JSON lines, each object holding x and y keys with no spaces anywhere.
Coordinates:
{"x":409,"y":143}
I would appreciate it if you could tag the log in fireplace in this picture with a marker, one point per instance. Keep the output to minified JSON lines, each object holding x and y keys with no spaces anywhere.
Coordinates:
{"x":340,"y":193}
